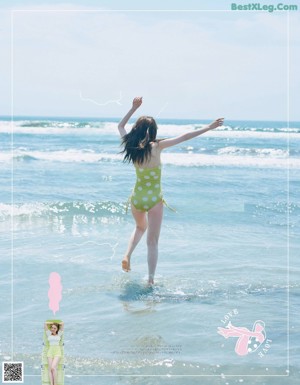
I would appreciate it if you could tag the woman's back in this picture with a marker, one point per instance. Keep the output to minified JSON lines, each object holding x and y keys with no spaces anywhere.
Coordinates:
{"x":154,"y":160}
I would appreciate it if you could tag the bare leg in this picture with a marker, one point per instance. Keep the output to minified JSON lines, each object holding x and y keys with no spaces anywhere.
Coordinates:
{"x":49,"y":370}
{"x":141,"y":226}
{"x":54,"y":369}
{"x":155,"y":216}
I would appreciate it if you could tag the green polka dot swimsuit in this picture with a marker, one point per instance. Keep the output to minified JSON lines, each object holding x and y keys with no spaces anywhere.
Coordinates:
{"x":147,"y":190}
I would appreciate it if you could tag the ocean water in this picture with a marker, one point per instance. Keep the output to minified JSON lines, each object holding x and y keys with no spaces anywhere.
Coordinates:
{"x":229,"y":253}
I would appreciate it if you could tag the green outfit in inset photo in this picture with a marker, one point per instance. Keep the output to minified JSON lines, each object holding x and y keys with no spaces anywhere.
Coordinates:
{"x":52,"y":351}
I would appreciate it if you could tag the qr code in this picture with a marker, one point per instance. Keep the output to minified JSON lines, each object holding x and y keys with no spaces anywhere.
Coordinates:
{"x":12,"y":372}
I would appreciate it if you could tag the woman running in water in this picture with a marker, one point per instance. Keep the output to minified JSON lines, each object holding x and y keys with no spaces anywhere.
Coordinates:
{"x":143,"y":149}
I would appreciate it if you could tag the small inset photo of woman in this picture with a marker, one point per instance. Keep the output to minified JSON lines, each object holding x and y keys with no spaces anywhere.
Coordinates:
{"x":53,"y":353}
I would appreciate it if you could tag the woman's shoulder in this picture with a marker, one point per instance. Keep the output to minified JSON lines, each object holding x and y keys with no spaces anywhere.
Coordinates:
{"x":155,"y":145}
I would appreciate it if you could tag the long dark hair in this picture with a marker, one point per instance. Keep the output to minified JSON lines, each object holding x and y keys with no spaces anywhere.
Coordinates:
{"x":136,"y":143}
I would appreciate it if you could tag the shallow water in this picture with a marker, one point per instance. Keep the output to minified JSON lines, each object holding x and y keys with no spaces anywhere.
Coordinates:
{"x":232,"y":245}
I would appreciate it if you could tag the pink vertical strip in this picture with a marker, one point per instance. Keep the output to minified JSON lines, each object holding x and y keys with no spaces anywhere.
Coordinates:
{"x":54,"y":292}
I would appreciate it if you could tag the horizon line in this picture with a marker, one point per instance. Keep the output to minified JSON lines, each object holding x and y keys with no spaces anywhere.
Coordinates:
{"x":9,"y":117}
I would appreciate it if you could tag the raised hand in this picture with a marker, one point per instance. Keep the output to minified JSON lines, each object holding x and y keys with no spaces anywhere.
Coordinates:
{"x":137,"y":101}
{"x":217,"y":123}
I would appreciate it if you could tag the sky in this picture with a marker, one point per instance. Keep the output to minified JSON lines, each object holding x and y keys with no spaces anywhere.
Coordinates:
{"x":91,"y":58}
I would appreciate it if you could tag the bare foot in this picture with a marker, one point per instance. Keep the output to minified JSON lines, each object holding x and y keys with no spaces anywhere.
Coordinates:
{"x":150,"y":280}
{"x":126,"y":264}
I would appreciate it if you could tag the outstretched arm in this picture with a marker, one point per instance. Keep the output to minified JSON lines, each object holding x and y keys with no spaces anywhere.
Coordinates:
{"x":61,"y":326}
{"x":164,"y":143}
{"x":135,"y":105}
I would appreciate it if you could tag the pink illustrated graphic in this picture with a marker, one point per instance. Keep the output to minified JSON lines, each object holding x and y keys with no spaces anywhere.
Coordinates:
{"x":54,"y":292}
{"x":248,"y":341}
